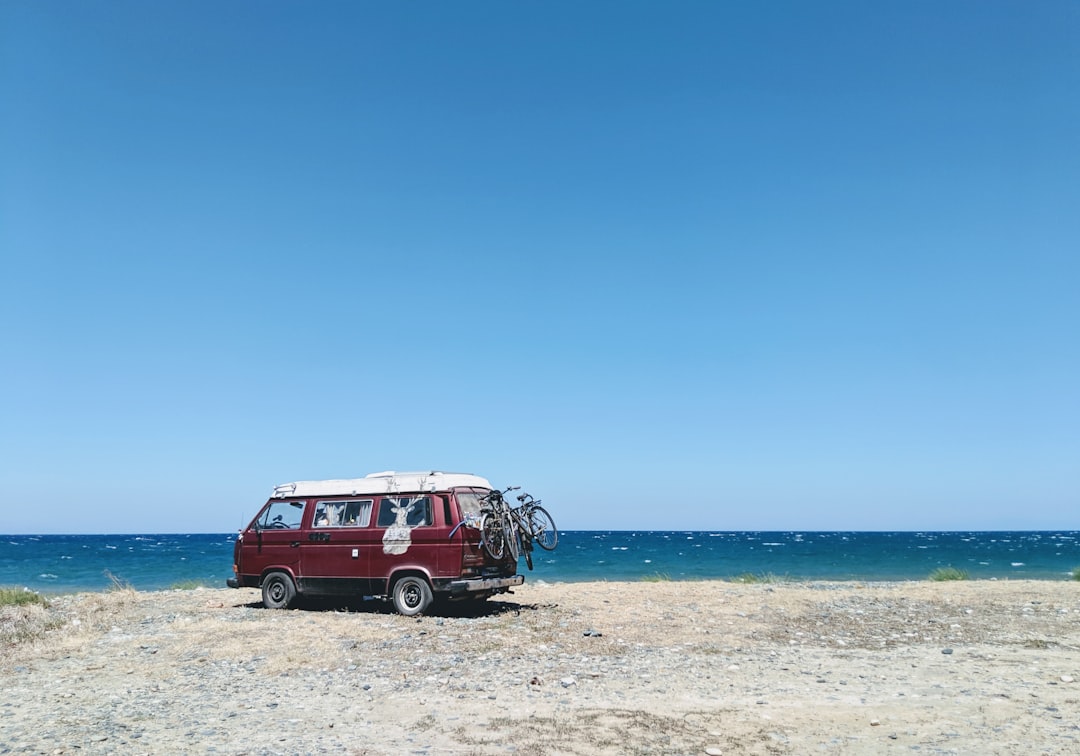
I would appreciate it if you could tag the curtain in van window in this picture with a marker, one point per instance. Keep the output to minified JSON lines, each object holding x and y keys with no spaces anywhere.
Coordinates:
{"x":345,"y":514}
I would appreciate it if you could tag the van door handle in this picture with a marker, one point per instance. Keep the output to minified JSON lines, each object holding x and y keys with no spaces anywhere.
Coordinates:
{"x":294,"y":544}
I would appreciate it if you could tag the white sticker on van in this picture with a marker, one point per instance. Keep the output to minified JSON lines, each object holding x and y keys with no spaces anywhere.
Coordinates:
{"x":398,"y":537}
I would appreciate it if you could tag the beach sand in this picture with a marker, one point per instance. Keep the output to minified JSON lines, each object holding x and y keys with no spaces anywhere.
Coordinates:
{"x":966,"y":667}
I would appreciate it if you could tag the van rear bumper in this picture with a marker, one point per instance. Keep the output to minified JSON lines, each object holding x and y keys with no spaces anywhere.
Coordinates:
{"x":459,"y":587}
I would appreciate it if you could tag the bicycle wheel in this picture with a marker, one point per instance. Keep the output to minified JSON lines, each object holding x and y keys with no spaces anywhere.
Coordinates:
{"x":510,"y":531}
{"x":526,"y":550}
{"x":543,"y":528}
{"x":492,"y":536}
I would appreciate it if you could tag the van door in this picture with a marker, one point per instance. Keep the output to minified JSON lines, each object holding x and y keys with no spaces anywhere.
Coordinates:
{"x":273,"y":538}
{"x":336,"y":552}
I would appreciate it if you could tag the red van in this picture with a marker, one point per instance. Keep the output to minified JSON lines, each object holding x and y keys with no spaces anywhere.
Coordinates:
{"x":410,"y":536}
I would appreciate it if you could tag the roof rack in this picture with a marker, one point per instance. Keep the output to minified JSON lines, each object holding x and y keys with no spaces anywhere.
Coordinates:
{"x":386,"y":482}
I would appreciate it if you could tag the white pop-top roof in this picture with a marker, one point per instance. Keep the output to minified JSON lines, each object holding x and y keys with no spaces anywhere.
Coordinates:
{"x":388,"y":482}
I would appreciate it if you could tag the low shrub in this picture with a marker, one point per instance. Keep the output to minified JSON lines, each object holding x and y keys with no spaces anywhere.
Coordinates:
{"x":20,"y":597}
{"x":948,"y":573}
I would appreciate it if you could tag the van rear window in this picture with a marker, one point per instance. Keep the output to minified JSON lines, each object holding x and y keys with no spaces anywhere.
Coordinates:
{"x":413,"y":511}
{"x":469,"y":503}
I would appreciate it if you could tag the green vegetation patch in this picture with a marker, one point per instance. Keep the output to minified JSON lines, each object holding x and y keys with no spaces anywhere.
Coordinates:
{"x":948,"y":573}
{"x":20,"y":597}
{"x":1076,"y":573}
{"x":657,"y":577}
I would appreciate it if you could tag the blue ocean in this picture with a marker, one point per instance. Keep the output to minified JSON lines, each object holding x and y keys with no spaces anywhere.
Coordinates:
{"x":69,"y":563}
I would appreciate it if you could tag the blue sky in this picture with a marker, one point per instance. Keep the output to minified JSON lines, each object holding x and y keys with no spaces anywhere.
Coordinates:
{"x":705,"y":265}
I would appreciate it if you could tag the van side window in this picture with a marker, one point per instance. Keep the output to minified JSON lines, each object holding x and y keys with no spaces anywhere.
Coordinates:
{"x":281,"y":515}
{"x":343,"y":514}
{"x":415,"y":511}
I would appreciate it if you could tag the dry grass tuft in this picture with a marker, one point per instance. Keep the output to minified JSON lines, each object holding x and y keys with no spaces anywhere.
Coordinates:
{"x":24,"y":623}
{"x":64,"y":624}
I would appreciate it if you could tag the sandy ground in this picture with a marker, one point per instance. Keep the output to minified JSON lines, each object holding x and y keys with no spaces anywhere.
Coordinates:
{"x":981,"y":667}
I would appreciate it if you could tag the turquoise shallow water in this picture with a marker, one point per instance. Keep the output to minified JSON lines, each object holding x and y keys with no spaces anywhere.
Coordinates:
{"x":65,"y":563}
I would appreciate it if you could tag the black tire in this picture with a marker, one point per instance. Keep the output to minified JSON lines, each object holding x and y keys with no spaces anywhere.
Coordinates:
{"x":278,"y":591}
{"x":492,"y":536}
{"x":513,"y":540}
{"x":543,"y":528}
{"x":526,"y":550}
{"x":412,"y":595}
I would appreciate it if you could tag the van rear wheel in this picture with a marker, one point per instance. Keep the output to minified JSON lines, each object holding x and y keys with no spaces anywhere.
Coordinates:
{"x":412,"y":595}
{"x":278,"y":591}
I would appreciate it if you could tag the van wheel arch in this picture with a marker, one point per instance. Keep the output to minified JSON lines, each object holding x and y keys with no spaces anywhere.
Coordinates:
{"x":411,"y":593}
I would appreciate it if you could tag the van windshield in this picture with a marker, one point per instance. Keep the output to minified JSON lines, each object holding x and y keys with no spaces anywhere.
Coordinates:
{"x":280,"y":515}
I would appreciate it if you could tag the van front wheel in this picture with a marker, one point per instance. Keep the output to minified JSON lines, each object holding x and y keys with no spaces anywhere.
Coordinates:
{"x":412,"y":595}
{"x":278,"y":591}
